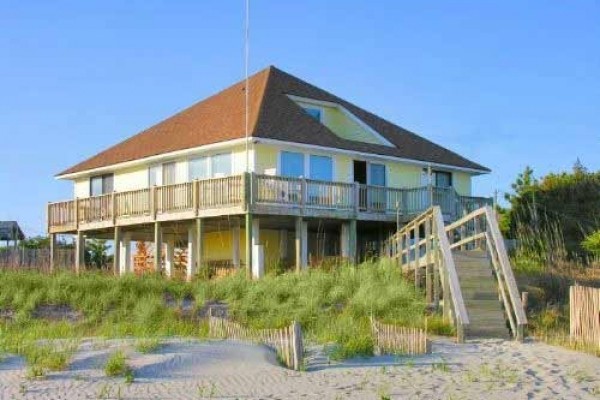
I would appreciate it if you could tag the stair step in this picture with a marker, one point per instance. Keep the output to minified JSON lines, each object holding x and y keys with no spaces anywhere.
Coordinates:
{"x":480,"y":294}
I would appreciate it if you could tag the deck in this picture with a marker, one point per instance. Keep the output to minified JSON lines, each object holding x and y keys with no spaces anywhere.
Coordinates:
{"x":258,"y":194}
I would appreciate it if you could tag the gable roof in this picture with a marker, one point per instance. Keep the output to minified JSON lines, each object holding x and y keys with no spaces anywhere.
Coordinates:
{"x":272,"y":115}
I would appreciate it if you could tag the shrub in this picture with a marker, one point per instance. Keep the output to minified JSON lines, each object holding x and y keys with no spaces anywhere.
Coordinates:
{"x":592,"y":243}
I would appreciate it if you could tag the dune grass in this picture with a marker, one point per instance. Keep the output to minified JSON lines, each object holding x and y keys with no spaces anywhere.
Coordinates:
{"x":332,"y":307}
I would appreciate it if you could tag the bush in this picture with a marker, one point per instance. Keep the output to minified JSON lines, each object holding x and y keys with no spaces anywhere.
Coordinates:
{"x":592,"y":243}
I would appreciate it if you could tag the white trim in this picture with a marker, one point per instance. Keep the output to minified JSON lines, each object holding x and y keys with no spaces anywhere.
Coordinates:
{"x":347,"y":113}
{"x":366,"y":156}
{"x":215,"y":146}
{"x":159,"y":158}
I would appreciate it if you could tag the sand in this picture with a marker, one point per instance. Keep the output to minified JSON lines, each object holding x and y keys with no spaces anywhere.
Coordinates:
{"x":485,"y":369}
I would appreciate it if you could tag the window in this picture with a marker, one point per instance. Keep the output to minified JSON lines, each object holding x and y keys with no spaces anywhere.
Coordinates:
{"x":169,"y":176}
{"x":220,"y":165}
{"x":442,"y":179}
{"x":292,"y":164}
{"x":101,"y":184}
{"x":199,"y":168}
{"x":321,"y":168}
{"x":155,"y":175}
{"x":314,"y":112}
{"x":377,"y":174}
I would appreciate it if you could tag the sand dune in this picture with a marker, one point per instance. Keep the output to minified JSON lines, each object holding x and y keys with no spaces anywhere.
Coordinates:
{"x":488,"y":369}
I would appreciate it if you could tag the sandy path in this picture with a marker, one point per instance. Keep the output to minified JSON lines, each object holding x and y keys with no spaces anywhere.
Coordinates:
{"x":194,"y":370}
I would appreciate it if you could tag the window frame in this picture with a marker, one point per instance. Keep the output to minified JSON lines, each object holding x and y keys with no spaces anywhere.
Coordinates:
{"x":281,"y":163}
{"x":310,"y":165}
{"x":437,"y":173}
{"x":370,"y":175}
{"x":103,"y":180}
{"x":211,"y":167}
{"x":207,"y":164}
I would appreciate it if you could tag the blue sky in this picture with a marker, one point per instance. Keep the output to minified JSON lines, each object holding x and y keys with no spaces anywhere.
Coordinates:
{"x":506,"y":83}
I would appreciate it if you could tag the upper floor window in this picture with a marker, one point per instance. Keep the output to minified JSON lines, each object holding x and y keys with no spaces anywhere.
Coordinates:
{"x":155,"y":175}
{"x":101,"y":184}
{"x":198,"y":168}
{"x":377,"y":174}
{"x":314,"y":112}
{"x":442,"y":179}
{"x":321,"y":168}
{"x":292,"y":164}
{"x":220,"y":165}
{"x":163,"y":174}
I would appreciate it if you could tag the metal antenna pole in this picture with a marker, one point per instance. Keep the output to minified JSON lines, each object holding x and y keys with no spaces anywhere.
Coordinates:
{"x":247,"y":89}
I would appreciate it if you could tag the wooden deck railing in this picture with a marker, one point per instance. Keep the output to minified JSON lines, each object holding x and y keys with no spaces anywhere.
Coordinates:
{"x":423,"y":242}
{"x":174,"y":198}
{"x":473,"y":231}
{"x":220,"y":192}
{"x":226,"y":192}
{"x":62,"y":214}
{"x":135,"y":203}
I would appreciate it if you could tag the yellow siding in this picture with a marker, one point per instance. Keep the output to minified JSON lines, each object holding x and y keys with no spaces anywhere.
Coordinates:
{"x":81,"y":188}
{"x":343,"y":125}
{"x":238,"y":159}
{"x":131,"y":179}
{"x":403,"y":175}
{"x":462,"y":183}
{"x":219,"y":245}
{"x":343,"y":168}
{"x":347,"y":128}
{"x":270,"y":239}
{"x":266,"y":159}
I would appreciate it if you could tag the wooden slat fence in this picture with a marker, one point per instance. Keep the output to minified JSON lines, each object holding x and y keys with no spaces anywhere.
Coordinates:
{"x":585,"y":315}
{"x":287,"y":342}
{"x":36,"y":259}
{"x":391,"y":339}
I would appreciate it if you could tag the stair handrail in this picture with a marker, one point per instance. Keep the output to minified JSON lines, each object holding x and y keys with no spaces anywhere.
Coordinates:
{"x":439,"y":247}
{"x":509,"y":277}
{"x":485,"y":226}
{"x":460,"y":311}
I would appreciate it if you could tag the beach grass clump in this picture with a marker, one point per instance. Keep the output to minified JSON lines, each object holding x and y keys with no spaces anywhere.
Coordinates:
{"x":333,"y":307}
{"x":43,"y":357}
{"x":116,"y":365}
{"x":149,"y":345}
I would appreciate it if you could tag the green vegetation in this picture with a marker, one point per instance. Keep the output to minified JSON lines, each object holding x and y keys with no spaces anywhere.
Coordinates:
{"x":116,"y":365}
{"x":591,"y":243}
{"x":332,"y":307}
{"x":147,"y":345}
{"x":561,"y":207}
{"x":555,"y":221}
{"x":40,"y":357}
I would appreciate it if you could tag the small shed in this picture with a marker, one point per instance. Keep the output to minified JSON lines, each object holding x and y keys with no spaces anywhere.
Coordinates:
{"x":11,"y":231}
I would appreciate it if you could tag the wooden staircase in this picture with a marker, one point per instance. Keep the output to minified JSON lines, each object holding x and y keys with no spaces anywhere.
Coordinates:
{"x":479,"y":288}
{"x":466,"y":269}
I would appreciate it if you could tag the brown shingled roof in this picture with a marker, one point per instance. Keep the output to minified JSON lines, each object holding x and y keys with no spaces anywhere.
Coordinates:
{"x":272,"y":115}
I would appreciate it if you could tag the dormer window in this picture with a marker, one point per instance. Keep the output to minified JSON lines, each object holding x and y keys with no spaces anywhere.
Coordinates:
{"x":314,"y":112}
